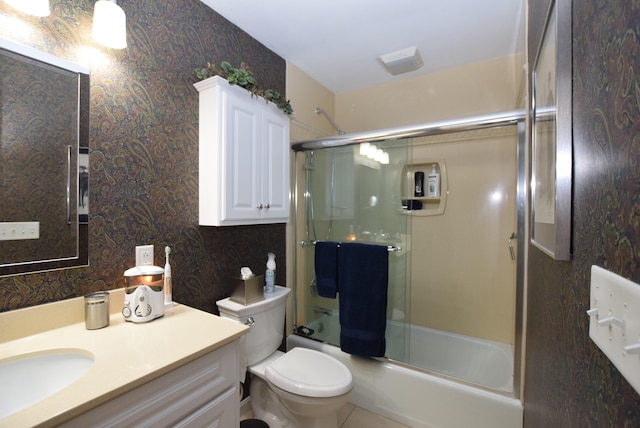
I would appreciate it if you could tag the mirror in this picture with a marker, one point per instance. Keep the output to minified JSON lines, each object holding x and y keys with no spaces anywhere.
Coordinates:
{"x":44,"y":140}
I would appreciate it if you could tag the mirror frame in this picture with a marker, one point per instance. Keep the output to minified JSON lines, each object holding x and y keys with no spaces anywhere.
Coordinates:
{"x":552,"y":134}
{"x":82,"y":254}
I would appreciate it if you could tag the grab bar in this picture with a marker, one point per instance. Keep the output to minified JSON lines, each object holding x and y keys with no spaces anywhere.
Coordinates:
{"x":390,"y":248}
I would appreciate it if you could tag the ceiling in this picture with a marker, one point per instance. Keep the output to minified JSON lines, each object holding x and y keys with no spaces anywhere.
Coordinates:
{"x":338,"y":42}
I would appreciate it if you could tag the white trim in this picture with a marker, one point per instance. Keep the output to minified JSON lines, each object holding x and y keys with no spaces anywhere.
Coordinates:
{"x":42,"y":56}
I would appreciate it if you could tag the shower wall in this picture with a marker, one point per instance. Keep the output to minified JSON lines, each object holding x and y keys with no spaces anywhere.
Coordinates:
{"x":463,"y":279}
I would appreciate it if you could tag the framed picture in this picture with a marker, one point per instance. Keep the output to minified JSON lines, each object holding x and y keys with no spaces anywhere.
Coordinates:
{"x":551,"y":166}
{"x":83,"y":185}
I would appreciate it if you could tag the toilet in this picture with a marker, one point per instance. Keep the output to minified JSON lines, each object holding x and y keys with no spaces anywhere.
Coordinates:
{"x":301,"y":388}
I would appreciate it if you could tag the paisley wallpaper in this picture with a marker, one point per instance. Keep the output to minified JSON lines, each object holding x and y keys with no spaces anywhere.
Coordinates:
{"x":569,"y":381}
{"x":144,"y":148}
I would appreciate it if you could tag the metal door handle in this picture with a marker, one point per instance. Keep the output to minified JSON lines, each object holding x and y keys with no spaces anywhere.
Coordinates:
{"x":510,"y":245}
{"x":69,"y":184}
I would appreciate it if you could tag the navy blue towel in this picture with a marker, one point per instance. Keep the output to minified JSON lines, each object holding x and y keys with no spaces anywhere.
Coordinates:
{"x":326,"y":263}
{"x":363,"y":273}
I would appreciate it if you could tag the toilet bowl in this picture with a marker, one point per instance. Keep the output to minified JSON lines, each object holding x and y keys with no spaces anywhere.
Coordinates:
{"x":302,"y":388}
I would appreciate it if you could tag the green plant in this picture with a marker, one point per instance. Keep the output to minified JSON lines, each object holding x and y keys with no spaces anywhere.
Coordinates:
{"x":244,"y":78}
{"x":277,"y":98}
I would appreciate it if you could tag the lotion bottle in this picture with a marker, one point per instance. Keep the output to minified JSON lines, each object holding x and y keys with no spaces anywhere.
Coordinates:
{"x":433,"y":183}
{"x":270,"y":274}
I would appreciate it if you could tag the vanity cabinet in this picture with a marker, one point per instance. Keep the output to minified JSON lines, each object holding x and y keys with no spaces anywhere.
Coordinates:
{"x":203,"y":392}
{"x":244,"y":157}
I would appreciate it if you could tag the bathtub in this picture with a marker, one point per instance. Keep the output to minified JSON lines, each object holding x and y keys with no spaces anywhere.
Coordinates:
{"x":478,"y":361}
{"x":421,"y":399}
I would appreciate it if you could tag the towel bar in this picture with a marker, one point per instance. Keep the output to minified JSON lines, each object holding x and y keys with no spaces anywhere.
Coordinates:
{"x":390,"y":248}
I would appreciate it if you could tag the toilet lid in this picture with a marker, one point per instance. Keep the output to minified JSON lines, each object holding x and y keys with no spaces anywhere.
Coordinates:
{"x":310,"y":373}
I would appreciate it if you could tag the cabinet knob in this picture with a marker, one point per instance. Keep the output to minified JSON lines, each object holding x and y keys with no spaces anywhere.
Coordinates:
{"x":260,"y":207}
{"x":267,"y":206}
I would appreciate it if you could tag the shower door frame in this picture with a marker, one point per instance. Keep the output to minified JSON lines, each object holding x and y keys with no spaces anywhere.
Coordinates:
{"x":509,"y":118}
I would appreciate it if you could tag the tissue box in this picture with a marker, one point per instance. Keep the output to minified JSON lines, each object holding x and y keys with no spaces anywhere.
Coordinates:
{"x":247,"y":291}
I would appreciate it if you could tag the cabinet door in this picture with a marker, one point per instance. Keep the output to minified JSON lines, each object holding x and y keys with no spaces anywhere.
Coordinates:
{"x":242,"y":162}
{"x":275,"y":155}
{"x":221,"y":412}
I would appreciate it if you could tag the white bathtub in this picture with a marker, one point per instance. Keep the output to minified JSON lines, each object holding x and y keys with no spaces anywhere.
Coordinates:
{"x":482,"y":362}
{"x":420,"y":399}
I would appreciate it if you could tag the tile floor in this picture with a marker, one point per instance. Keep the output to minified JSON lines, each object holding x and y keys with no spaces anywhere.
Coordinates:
{"x":351,"y":416}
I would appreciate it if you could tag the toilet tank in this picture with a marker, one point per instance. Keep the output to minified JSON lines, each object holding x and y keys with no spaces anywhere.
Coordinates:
{"x":267,"y":329}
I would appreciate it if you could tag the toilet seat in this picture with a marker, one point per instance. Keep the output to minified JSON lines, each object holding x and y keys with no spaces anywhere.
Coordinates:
{"x":309,"y":373}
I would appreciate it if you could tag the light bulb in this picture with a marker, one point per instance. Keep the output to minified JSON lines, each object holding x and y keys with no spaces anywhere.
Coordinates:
{"x":109,"y":24}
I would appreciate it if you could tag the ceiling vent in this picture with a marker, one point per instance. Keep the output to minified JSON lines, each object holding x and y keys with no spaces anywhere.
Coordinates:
{"x":402,"y":61}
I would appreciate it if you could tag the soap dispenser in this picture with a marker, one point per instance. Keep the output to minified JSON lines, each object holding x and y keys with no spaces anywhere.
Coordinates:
{"x":433,"y":183}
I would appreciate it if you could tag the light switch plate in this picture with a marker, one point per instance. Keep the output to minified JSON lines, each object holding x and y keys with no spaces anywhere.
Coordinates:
{"x":614,"y":321}
{"x":19,"y":230}
{"x":144,"y":255}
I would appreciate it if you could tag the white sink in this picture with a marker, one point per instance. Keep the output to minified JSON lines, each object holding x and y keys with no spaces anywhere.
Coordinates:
{"x":33,"y":377}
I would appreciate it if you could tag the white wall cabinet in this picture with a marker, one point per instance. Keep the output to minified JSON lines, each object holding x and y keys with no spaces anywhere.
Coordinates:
{"x":201,"y":393}
{"x":244,"y":157}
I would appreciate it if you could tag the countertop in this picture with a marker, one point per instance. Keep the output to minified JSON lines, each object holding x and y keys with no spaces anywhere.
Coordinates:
{"x":125,"y":354}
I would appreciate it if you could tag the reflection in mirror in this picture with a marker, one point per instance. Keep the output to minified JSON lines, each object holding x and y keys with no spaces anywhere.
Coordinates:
{"x":45,"y":113}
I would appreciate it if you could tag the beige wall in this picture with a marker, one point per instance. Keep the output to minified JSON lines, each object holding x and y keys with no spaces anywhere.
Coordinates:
{"x":480,"y":88}
{"x":305,"y":94}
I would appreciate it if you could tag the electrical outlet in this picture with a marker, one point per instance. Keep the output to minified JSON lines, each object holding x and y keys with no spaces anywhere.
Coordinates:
{"x":144,"y":255}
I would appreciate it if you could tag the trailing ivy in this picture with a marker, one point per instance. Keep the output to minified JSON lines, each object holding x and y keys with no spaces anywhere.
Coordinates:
{"x":244,"y":78}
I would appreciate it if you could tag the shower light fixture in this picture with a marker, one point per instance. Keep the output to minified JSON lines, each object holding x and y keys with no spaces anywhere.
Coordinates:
{"x":365,"y":148}
{"x":109,"y":24}
{"x":32,"y":7}
{"x":402,"y":61}
{"x":374,"y":153}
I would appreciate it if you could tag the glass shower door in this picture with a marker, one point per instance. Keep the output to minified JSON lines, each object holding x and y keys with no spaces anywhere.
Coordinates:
{"x":453,"y":277}
{"x":352,"y":194}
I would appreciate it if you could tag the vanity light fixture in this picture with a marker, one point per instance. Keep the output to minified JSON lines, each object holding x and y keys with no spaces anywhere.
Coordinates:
{"x":402,"y":61}
{"x":32,"y":7}
{"x":109,"y":24}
